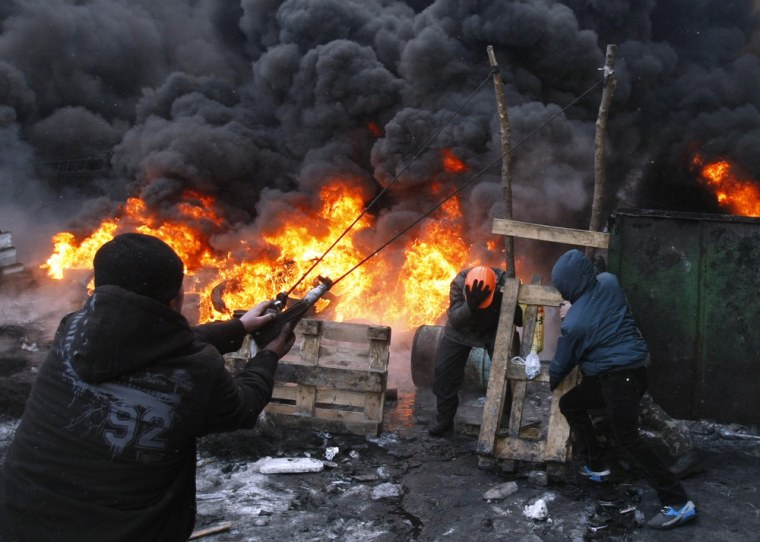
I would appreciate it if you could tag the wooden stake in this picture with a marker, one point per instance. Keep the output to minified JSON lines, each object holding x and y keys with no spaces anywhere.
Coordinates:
{"x":221,"y":527}
{"x":506,"y":164}
{"x":600,"y":176}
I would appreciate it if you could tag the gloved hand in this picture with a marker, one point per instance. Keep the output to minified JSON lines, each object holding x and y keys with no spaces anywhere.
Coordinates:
{"x":476,"y":295}
{"x":282,"y":344}
{"x":554,"y":382}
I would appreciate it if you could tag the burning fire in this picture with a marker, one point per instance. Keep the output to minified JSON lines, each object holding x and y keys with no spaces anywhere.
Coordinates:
{"x":738,"y":196}
{"x":404,"y":292}
{"x":451,"y":163}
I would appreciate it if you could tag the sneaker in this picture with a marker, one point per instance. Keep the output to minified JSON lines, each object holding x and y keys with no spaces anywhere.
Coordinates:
{"x":595,"y":476}
{"x":441,"y":427}
{"x":669,"y":517}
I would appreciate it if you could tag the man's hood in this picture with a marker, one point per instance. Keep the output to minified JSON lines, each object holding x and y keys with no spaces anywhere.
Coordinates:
{"x":118,"y":332}
{"x":573,"y":275}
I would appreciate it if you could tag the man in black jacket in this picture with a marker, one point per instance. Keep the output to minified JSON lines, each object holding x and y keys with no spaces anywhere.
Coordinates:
{"x":106,"y":448}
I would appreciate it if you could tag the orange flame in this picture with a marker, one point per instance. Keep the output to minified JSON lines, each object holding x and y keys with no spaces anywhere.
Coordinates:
{"x":738,"y":196}
{"x":451,"y":163}
{"x":375,"y":129}
{"x":402,"y":287}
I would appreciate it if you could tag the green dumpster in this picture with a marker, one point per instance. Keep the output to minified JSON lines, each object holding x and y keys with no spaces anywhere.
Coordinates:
{"x":692,"y":282}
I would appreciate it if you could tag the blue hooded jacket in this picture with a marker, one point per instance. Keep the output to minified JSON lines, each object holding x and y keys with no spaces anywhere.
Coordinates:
{"x":599,"y":332}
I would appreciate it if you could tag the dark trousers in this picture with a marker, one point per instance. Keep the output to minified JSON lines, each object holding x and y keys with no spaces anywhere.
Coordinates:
{"x":448,"y":376}
{"x":619,"y":394}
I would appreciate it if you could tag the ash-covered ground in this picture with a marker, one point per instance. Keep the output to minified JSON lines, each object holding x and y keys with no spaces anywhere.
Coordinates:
{"x":404,"y":485}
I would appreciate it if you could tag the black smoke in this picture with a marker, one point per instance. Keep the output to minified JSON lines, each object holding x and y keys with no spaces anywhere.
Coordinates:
{"x":261,"y":102}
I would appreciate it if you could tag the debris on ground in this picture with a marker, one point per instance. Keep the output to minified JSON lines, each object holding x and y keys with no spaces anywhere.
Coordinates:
{"x":405,"y":485}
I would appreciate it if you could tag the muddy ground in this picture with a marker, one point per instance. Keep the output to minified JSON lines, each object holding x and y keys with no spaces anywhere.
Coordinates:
{"x":404,"y":485}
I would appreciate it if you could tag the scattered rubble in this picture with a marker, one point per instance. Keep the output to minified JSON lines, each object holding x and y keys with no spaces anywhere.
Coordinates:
{"x":404,"y":485}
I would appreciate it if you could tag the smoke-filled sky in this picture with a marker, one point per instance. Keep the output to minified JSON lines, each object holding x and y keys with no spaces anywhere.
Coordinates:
{"x":261,"y":102}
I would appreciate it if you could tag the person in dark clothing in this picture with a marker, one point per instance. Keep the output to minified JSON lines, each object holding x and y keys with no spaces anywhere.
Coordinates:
{"x":473,"y":318}
{"x":106,"y":447}
{"x":599,"y":335}
{"x":672,"y":437}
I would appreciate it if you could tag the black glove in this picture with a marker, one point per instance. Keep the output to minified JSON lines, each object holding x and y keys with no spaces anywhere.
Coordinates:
{"x":554,"y":382}
{"x":476,"y":295}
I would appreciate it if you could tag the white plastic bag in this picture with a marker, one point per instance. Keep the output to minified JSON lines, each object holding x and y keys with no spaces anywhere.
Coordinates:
{"x":532,"y":365}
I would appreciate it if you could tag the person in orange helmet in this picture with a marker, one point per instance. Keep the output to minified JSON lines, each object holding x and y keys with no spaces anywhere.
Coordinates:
{"x":472,"y":320}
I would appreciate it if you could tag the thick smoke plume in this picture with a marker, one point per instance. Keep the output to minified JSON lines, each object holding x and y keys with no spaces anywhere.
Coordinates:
{"x":261,"y":102}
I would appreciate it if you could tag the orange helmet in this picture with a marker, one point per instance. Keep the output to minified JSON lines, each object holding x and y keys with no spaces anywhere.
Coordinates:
{"x":485,"y":274}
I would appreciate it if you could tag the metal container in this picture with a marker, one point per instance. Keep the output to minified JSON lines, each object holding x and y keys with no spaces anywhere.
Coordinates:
{"x":424,"y":351}
{"x":692,"y":281}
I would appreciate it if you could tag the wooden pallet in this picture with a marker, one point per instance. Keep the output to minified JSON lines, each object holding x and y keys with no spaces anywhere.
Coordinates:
{"x":333,"y":379}
{"x":513,"y":443}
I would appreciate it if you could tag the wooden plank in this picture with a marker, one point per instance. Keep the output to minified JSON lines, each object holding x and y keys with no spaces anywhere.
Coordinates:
{"x":214,"y":529}
{"x":517,"y":448}
{"x":519,"y":387}
{"x":538,"y":294}
{"x":379,"y":348}
{"x":558,"y":433}
{"x":555,"y":234}
{"x":330,"y":377}
{"x":324,"y":413}
{"x":373,"y":405}
{"x":497,"y":382}
{"x":305,"y":399}
{"x":519,"y":384}
{"x":350,"y":399}
{"x":379,"y":333}
{"x":345,"y":331}
{"x":284,"y":391}
{"x":373,"y":357}
{"x":309,"y":326}
{"x":332,"y":357}
{"x":342,"y":399}
{"x":309,"y":350}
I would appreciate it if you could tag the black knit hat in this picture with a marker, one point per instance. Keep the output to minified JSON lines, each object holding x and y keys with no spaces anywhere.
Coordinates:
{"x":139,"y":263}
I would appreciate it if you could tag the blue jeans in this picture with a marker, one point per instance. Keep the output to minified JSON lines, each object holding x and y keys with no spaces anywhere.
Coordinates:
{"x":619,"y":394}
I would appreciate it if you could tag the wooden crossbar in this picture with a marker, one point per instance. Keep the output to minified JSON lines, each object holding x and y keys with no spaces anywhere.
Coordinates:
{"x":554,"y":234}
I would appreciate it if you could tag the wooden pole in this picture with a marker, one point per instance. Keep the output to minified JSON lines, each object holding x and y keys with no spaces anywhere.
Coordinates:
{"x":506,"y":165}
{"x":214,"y":529}
{"x":600,"y":176}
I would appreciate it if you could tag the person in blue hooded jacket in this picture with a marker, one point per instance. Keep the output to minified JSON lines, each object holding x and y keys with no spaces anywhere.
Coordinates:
{"x":600,"y":335}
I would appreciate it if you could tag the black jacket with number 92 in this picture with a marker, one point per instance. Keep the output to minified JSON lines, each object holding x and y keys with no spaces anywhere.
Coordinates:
{"x":106,"y":448}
